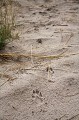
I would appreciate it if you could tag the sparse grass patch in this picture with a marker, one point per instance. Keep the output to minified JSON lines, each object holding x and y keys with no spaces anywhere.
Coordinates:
{"x":5,"y":34}
{"x":6,"y":22}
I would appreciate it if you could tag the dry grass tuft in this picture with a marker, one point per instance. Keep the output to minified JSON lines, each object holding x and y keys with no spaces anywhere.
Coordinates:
{"x":6,"y":22}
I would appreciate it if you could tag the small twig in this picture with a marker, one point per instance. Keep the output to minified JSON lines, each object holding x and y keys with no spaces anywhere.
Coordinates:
{"x":8,"y":78}
{"x":4,"y":83}
{"x":7,"y":81}
{"x":11,"y":56}
{"x":69,"y":38}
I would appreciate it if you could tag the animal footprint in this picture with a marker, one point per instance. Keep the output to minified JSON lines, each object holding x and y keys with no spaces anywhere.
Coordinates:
{"x":37,"y":96}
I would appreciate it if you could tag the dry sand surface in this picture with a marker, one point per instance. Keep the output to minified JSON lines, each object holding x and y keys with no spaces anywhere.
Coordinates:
{"x":40,"y":80}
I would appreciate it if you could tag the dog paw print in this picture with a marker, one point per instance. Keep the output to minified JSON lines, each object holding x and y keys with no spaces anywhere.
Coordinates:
{"x":37,"y":95}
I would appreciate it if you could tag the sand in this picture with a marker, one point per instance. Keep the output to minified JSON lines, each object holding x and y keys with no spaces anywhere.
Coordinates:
{"x":40,"y":80}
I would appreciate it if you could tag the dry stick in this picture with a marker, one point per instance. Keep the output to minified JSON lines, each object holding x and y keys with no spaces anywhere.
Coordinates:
{"x":4,"y":83}
{"x":7,"y":81}
{"x":12,"y":55}
{"x":6,"y":76}
{"x":60,"y":26}
{"x":33,"y":55}
{"x":69,"y":38}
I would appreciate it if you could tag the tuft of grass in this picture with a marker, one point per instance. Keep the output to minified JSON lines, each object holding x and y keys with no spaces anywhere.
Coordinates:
{"x":5,"y":34}
{"x":6,"y":22}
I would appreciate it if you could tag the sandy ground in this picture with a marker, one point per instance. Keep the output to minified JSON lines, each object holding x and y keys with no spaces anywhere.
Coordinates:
{"x":42,"y":83}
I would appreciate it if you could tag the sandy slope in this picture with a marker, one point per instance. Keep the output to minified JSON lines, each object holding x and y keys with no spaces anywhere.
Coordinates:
{"x":45,"y":87}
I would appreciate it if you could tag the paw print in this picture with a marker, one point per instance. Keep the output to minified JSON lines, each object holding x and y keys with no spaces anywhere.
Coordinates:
{"x":37,"y":95}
